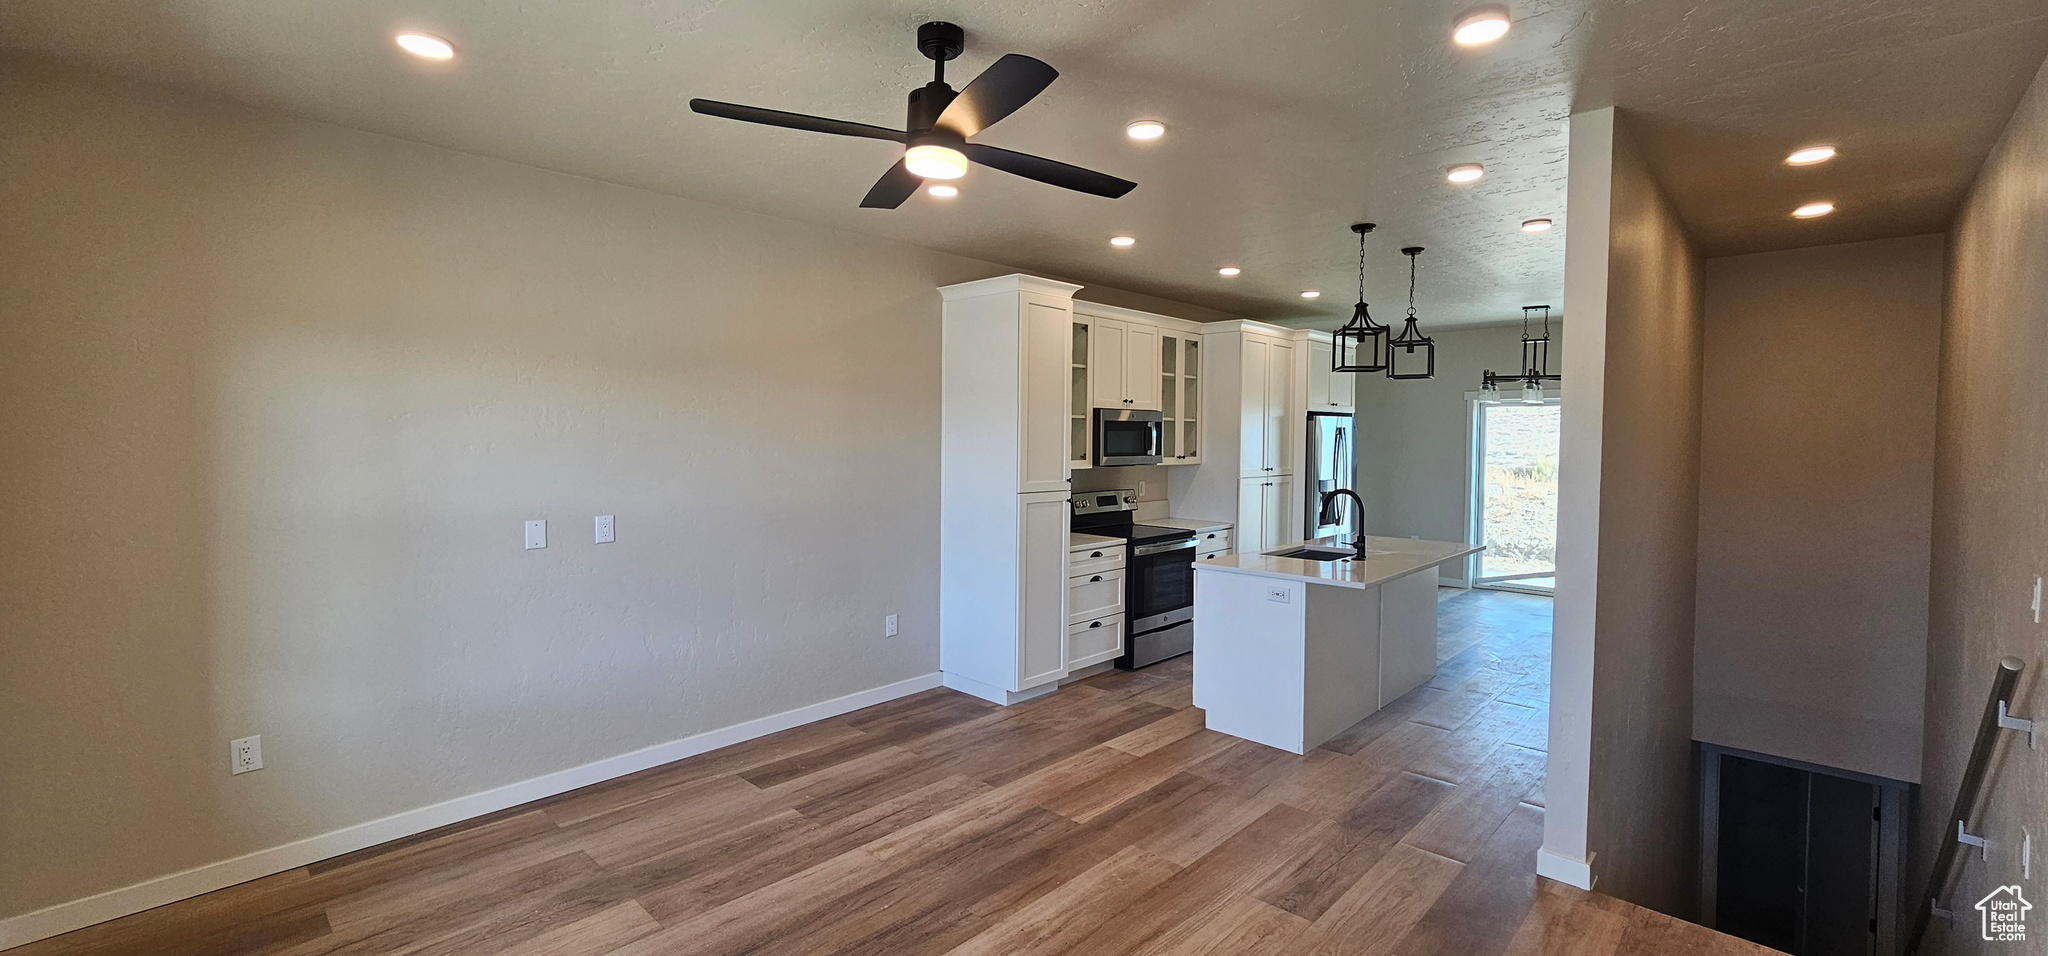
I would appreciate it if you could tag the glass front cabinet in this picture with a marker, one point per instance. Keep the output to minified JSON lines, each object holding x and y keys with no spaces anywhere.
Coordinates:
{"x":1180,"y":396}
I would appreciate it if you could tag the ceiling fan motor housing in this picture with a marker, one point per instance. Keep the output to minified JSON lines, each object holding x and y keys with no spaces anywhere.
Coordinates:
{"x":940,"y":40}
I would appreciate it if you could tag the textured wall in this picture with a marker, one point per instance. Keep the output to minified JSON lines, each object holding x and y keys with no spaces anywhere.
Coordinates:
{"x":1991,"y":512}
{"x":1640,"y":817}
{"x":1415,"y":437}
{"x":276,"y":397}
{"x":1816,"y":497}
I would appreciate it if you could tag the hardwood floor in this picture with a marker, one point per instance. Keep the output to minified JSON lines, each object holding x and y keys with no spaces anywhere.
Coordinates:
{"x":1102,"y":819}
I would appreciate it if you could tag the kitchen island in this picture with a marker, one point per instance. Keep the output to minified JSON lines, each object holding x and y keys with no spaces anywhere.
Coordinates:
{"x":1291,"y":651}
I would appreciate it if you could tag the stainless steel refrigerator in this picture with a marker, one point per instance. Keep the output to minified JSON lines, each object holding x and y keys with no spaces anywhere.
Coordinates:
{"x":1329,"y":466}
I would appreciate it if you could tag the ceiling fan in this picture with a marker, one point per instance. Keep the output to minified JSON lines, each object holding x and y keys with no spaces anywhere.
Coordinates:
{"x":940,"y":122}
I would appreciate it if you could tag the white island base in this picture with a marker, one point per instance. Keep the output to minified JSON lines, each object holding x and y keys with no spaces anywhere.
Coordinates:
{"x":1289,"y":653}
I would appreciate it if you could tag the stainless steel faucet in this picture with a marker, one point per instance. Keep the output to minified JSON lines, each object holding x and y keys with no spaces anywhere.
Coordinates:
{"x":1329,"y":516}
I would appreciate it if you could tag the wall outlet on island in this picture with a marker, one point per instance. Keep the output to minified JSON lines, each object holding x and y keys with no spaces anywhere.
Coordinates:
{"x":245,"y":754}
{"x":889,"y":626}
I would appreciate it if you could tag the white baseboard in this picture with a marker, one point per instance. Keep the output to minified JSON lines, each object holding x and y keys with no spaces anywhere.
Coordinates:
{"x":1564,"y":869}
{"x":151,"y":893}
{"x":994,"y":694}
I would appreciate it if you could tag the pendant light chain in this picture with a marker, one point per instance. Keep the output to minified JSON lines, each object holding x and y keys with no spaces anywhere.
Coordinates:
{"x":1361,"y":267}
{"x":1411,"y":284}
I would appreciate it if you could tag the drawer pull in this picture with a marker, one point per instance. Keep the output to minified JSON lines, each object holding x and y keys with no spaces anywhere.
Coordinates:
{"x":1095,"y":624}
{"x":1096,"y":555}
{"x":1212,"y":534}
{"x":1095,"y":578}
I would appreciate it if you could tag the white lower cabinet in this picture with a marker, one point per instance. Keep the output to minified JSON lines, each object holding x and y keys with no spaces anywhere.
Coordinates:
{"x":1263,"y":513}
{"x":1092,"y":642}
{"x":1095,"y":604}
{"x":1042,"y":589}
{"x":1209,"y":544}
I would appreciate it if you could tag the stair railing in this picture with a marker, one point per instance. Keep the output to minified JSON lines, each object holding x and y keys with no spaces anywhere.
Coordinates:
{"x":1996,"y":718}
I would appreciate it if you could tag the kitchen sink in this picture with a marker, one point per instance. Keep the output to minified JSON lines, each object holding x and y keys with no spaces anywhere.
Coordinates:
{"x":1316,"y":554}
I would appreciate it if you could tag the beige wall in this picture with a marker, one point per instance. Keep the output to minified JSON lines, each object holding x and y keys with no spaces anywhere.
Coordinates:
{"x":1816,"y":491}
{"x":1991,"y":512}
{"x":1415,"y":437}
{"x":1622,"y":666}
{"x":276,"y":397}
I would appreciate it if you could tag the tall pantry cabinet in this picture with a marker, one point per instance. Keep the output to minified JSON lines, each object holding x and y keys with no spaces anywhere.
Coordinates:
{"x":1251,"y":384}
{"x":1003,"y":474}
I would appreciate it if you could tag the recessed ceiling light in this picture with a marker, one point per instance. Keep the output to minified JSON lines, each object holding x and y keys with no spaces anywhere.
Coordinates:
{"x":1537,"y":225}
{"x":1465,"y":173}
{"x":426,"y":46}
{"x":1145,"y":129}
{"x":1810,"y":155}
{"x":1310,"y":293}
{"x":943,"y":191}
{"x":1228,"y":271}
{"x":1122,"y":242}
{"x":1481,"y":26}
{"x":1813,"y":210}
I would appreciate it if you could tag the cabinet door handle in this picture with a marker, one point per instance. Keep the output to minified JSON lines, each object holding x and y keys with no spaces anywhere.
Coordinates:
{"x":1095,"y":579}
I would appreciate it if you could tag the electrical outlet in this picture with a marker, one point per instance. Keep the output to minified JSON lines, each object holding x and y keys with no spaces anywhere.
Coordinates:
{"x":604,"y":530}
{"x":1279,"y":595}
{"x":245,"y":754}
{"x":536,"y":535}
{"x":889,"y":626}
{"x":1141,"y":490}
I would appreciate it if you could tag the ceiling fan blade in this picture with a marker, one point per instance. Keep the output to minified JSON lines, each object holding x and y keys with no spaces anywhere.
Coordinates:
{"x":892,"y":189}
{"x":802,"y":121}
{"x":997,"y":93}
{"x":1049,"y":171}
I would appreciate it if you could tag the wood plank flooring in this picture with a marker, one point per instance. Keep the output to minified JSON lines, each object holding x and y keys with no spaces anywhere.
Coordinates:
{"x":1097,"y":821}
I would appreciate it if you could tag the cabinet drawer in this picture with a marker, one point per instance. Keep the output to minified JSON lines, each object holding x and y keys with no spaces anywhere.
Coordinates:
{"x":1208,"y":541}
{"x":1091,"y":561}
{"x":1206,"y":555}
{"x":1090,"y":596}
{"x":1092,"y":642}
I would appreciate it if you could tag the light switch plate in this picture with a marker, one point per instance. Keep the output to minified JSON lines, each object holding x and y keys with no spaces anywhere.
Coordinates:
{"x":605,"y":533}
{"x":536,"y":534}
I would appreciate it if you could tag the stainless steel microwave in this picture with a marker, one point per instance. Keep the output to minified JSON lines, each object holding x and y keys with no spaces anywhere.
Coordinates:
{"x":1129,"y":436}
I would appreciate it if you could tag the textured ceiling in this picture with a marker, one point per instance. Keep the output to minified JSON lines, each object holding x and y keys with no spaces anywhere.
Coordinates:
{"x":1289,"y":119}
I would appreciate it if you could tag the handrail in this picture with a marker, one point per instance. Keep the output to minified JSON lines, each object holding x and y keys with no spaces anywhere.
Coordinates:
{"x":1967,"y":792}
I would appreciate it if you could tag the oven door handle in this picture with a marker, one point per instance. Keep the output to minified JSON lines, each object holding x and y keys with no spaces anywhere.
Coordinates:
{"x":1187,"y":545}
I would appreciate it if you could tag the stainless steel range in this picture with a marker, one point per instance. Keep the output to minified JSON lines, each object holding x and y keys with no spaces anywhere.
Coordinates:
{"x":1159,"y":576}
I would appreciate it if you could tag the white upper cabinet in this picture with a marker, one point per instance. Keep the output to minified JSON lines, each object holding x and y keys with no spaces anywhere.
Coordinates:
{"x":1078,"y":398}
{"x":1327,"y":390}
{"x":1124,"y":367}
{"x":1268,"y":376}
{"x":1180,"y":396}
{"x":1007,"y":374}
{"x":1043,"y":380}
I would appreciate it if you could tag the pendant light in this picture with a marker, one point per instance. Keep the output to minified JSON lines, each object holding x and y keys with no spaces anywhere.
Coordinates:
{"x":1535,"y":363}
{"x":1401,"y":360}
{"x":1361,"y":345}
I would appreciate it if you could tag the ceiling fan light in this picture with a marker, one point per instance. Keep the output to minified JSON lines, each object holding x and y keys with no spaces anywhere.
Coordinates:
{"x":935,"y":162}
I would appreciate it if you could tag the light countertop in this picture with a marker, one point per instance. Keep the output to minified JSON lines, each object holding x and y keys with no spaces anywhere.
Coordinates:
{"x":1076,"y":540}
{"x":1386,"y":559}
{"x":1197,"y":525}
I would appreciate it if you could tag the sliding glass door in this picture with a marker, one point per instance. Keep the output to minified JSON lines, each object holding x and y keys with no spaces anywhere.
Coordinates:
{"x":1515,"y":492}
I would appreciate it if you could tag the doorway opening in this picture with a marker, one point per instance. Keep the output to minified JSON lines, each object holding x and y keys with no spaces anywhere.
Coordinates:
{"x":1514,"y":493}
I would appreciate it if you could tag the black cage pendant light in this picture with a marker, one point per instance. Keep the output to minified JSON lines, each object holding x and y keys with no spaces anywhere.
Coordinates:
{"x":1402,"y":360}
{"x":1535,"y":362}
{"x":1361,"y":345}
